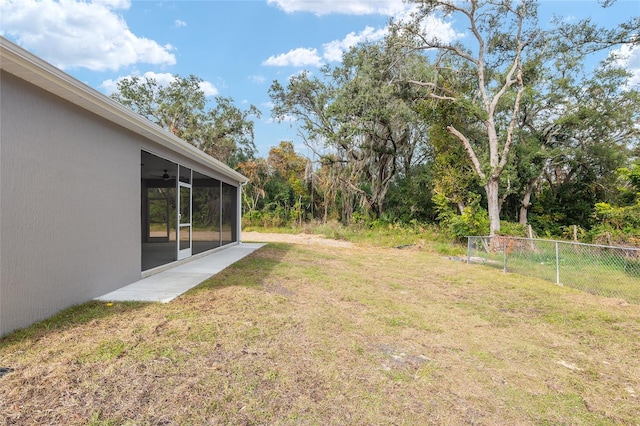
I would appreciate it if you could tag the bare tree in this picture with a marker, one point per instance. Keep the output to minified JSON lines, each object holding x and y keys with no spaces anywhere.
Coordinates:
{"x":502,"y":31}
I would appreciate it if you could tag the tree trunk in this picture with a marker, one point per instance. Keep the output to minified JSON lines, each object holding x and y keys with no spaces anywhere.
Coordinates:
{"x":526,"y":201}
{"x":326,"y":211}
{"x":524,"y":207}
{"x":493,"y":204}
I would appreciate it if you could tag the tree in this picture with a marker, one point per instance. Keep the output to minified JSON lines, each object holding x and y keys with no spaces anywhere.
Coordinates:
{"x":225,"y":132}
{"x":359,"y":121}
{"x":309,"y":100}
{"x":284,"y":161}
{"x":383,"y":136}
{"x":503,"y":31}
{"x":509,"y":62}
{"x":576,"y":131}
{"x":287,"y":172}
{"x":454,"y":179}
{"x":620,"y":224}
{"x":410,"y":196}
{"x":258,"y":173}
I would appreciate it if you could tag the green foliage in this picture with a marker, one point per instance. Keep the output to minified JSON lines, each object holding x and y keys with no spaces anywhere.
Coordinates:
{"x":289,"y":166}
{"x":630,"y":184}
{"x":569,"y":232}
{"x":278,"y":193}
{"x":533,"y":131}
{"x":224,"y":131}
{"x":381,"y":233}
{"x":619,"y":225}
{"x":275,"y":218}
{"x":474,"y":219}
{"x":634,"y":176}
{"x":513,"y":229}
{"x":453,"y":174}
{"x":565,"y":205}
{"x":483,"y":85}
{"x":410,"y":197}
{"x":362,"y":110}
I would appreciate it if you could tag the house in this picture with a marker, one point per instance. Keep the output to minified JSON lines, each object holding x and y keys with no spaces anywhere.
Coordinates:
{"x":93,"y":196}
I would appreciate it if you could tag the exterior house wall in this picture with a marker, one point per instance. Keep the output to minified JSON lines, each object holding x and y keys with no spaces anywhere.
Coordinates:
{"x":71,"y":188}
{"x":69,"y":205}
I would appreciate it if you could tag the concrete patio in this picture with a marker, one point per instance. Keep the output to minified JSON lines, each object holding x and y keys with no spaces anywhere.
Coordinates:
{"x":167,"y":285}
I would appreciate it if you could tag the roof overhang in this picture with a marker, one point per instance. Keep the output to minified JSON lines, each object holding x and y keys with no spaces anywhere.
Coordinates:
{"x":23,"y":64}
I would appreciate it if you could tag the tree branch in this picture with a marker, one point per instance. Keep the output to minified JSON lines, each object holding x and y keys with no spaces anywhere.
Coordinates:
{"x":432,"y":86}
{"x":469,"y":149}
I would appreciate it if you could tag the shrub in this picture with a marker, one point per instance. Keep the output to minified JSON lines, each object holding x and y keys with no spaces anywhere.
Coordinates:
{"x":513,"y":229}
{"x":474,"y":220}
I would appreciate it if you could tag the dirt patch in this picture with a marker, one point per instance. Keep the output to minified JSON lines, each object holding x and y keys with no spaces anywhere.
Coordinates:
{"x":309,"y":239}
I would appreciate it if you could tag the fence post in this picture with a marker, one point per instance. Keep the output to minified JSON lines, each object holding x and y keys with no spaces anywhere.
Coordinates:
{"x":557,"y":265}
{"x":468,"y":250}
{"x":504,"y":254}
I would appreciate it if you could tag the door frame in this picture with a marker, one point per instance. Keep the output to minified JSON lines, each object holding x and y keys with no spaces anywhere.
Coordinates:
{"x":183,"y":224}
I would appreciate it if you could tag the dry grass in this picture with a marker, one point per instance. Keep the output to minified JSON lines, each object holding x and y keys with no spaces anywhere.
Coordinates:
{"x":333,"y":335}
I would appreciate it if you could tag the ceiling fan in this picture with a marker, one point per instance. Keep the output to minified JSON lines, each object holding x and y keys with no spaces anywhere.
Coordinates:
{"x":164,"y":176}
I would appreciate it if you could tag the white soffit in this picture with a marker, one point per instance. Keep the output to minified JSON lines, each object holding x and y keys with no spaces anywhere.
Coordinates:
{"x":22,"y":64}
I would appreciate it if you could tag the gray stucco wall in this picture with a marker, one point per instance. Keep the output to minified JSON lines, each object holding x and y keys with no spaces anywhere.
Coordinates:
{"x":69,"y":205}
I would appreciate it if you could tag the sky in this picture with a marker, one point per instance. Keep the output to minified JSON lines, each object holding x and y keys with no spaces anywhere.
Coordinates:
{"x":237,"y":47}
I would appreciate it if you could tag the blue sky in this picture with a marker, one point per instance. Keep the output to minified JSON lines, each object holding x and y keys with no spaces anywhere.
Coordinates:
{"x":237,"y":47}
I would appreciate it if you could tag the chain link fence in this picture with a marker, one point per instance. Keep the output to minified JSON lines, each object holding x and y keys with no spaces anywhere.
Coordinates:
{"x":602,"y":270}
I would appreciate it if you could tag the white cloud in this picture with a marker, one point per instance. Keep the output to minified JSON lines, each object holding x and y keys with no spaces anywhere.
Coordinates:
{"x":299,"y":57}
{"x":116,"y":4}
{"x":348,"y":7}
{"x":286,"y":118}
{"x":179,"y":24}
{"x":74,"y":33}
{"x":208,"y":88}
{"x":299,"y":73}
{"x":334,"y":49}
{"x":259,"y":79}
{"x":434,"y":28}
{"x":109,"y":86}
{"x":628,"y":57}
{"x":163,"y":79}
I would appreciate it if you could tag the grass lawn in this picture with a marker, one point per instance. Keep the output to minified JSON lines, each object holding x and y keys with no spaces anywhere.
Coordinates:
{"x":588,"y":268}
{"x":320,"y":335}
